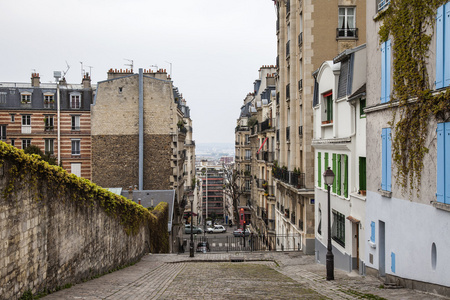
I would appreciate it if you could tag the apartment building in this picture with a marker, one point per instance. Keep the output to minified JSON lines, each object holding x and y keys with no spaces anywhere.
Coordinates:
{"x":407,"y":230}
{"x":212,"y":179}
{"x":29,"y":115}
{"x":340,"y":144}
{"x":308,"y":33}
{"x":138,"y":135}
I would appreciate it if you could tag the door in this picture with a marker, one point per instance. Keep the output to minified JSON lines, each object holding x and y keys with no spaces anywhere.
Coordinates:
{"x":381,"y":249}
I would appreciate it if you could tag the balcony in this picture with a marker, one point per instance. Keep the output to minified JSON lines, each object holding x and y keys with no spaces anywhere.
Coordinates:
{"x":267,"y":124}
{"x":382,"y":4}
{"x":300,"y":130}
{"x":288,"y":49}
{"x":295,"y":179}
{"x":278,"y":135}
{"x":268,"y":156}
{"x":300,"y":39}
{"x":278,"y":98}
{"x":49,"y":105}
{"x":342,"y":33}
{"x":288,"y":133}
{"x":293,"y":218}
{"x":288,"y":7}
{"x":288,"y":92}
{"x":247,"y":157}
{"x":300,"y":224}
{"x":300,"y":84}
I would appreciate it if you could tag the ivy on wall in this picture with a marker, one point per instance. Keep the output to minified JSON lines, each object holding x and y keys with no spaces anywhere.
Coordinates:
{"x":410,"y":24}
{"x":18,"y":169}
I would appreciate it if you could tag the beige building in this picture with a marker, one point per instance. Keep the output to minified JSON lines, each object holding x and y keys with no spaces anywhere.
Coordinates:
{"x":138,"y":135}
{"x":308,"y":33}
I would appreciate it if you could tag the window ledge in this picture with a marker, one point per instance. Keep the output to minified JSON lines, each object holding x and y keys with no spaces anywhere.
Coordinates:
{"x":386,"y":194}
{"x":440,"y":205}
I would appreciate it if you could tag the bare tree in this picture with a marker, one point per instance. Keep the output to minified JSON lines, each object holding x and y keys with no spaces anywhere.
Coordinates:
{"x":233,"y":187}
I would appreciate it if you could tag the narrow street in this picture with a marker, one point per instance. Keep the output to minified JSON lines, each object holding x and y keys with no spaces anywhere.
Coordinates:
{"x":264,"y":275}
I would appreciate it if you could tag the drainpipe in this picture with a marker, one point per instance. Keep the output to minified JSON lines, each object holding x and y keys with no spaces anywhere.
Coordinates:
{"x":141,"y":129}
{"x":58,"y":108}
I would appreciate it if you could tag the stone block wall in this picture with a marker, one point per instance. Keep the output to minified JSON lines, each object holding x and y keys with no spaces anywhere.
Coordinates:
{"x":115,"y":160}
{"x":157,"y":155}
{"x":64,"y":233}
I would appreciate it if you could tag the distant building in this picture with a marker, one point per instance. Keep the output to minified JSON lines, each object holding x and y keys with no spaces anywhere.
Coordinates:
{"x":29,"y":116}
{"x":226,"y":160}
{"x":212,"y":179}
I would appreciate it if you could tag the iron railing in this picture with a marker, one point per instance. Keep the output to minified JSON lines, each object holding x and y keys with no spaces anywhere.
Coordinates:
{"x":346,"y":33}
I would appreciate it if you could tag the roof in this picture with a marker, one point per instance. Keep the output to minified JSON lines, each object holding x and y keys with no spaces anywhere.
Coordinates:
{"x":361,"y":92}
{"x":149,"y":197}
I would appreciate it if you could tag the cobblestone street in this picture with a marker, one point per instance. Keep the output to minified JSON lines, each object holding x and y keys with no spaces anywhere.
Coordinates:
{"x":216,"y":276}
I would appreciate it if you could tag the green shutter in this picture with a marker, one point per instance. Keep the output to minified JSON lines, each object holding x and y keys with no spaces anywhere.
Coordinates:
{"x":338,"y":175}
{"x":326,"y":166}
{"x":319,"y":167}
{"x":362,"y":173}
{"x":334,"y":170}
{"x":345,"y":176}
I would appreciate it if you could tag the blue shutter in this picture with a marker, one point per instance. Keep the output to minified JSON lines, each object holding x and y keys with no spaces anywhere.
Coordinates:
{"x":372,"y":232}
{"x":383,"y":73}
{"x":393,"y":262}
{"x":440,"y":186}
{"x":446,"y":45}
{"x":388,"y":160}
{"x":388,"y":71}
{"x":447,"y":163}
{"x":440,"y":48}
{"x":383,"y":159}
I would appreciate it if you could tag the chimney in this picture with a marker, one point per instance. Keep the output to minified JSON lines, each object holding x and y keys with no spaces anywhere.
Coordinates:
{"x":86,"y":82}
{"x":35,"y":80}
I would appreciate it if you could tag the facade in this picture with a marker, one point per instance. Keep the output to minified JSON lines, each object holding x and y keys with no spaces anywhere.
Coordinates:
{"x":138,"y":136}
{"x":212,"y":180}
{"x":339,"y":143}
{"x":308,"y":33}
{"x":29,"y":116}
{"x":406,"y":233}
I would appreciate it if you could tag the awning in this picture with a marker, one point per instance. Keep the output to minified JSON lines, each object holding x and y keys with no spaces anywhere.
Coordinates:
{"x":353,"y":220}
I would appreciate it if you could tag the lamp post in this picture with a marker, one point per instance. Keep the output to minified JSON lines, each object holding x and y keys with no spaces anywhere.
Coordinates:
{"x":328,"y":178}
{"x":191,"y":244}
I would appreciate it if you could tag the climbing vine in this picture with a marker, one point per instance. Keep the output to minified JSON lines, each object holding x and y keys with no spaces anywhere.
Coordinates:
{"x":410,"y":23}
{"x":18,"y":169}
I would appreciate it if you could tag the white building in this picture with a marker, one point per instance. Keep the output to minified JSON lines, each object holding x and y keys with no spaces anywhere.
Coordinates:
{"x":340,"y":143}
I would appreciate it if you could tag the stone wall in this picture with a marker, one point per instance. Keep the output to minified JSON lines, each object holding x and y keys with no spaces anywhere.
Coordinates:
{"x":64,"y":233}
{"x":157,"y":156}
{"x":115,"y":160}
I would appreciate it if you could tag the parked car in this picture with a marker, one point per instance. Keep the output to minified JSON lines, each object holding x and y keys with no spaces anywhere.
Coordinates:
{"x":216,"y":229}
{"x":195,"y":229}
{"x":203,"y":247}
{"x":238,"y":232}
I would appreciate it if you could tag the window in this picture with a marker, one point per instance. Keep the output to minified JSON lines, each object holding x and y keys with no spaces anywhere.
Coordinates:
{"x":13,"y":142}
{"x":443,"y":46}
{"x":248,"y":154}
{"x":48,"y":121}
{"x":382,"y":4}
{"x":49,"y":146}
{"x":3,"y":97}
{"x":346,"y":22}
{"x":13,"y":118}
{"x":362,"y":105}
{"x":75,"y":168}
{"x":341,"y":172}
{"x":247,"y":141}
{"x":75,"y":147}
{"x":75,"y":101}
{"x":3,"y":132}
{"x":26,"y":123}
{"x":248,"y":168}
{"x":386,"y":160}
{"x":75,"y":122}
{"x":327,"y":116}
{"x":362,"y":173}
{"x":338,"y":230}
{"x":385,"y":71}
{"x":25,"y":97}
{"x":247,"y":185}
{"x":26,"y":143}
{"x":372,"y":232}
{"x":48,"y":100}
{"x":443,"y":163}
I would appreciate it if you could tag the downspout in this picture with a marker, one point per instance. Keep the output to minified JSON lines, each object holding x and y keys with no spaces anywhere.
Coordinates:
{"x":141,"y":129}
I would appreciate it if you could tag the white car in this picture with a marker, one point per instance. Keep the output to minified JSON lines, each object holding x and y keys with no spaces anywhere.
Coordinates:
{"x":216,"y":229}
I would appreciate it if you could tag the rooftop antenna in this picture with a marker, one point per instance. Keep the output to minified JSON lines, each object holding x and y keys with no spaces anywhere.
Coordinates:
{"x":170,"y":68}
{"x":65,"y":72}
{"x":90,"y":70}
{"x":154,"y":66}
{"x":130,"y":64}
{"x":82,"y":70}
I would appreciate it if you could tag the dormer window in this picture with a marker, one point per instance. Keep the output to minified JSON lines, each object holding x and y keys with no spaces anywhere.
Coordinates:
{"x":75,"y":101}
{"x":327,"y":110}
{"x":25,"y":97}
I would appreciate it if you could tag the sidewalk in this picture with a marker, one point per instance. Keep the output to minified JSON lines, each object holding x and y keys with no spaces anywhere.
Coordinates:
{"x":264,"y":275}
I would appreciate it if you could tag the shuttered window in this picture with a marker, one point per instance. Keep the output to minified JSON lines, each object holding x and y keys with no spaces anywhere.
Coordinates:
{"x":385,"y":71}
{"x":343,"y":79}
{"x":372,"y":232}
{"x":338,"y":175}
{"x":443,"y":46}
{"x":443,"y":163}
{"x":325,"y":166}
{"x":362,"y":173}
{"x":345,"y":176}
{"x":334,"y":170}
{"x":386,"y":184}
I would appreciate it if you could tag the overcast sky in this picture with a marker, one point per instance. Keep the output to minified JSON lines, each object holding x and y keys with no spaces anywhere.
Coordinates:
{"x":215,"y":47}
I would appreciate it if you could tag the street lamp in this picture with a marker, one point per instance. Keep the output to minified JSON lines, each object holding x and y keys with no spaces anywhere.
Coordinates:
{"x":328,"y":178}
{"x":191,"y":245}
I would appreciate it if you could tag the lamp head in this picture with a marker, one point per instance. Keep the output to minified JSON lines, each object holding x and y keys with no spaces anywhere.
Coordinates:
{"x":328,"y":176}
